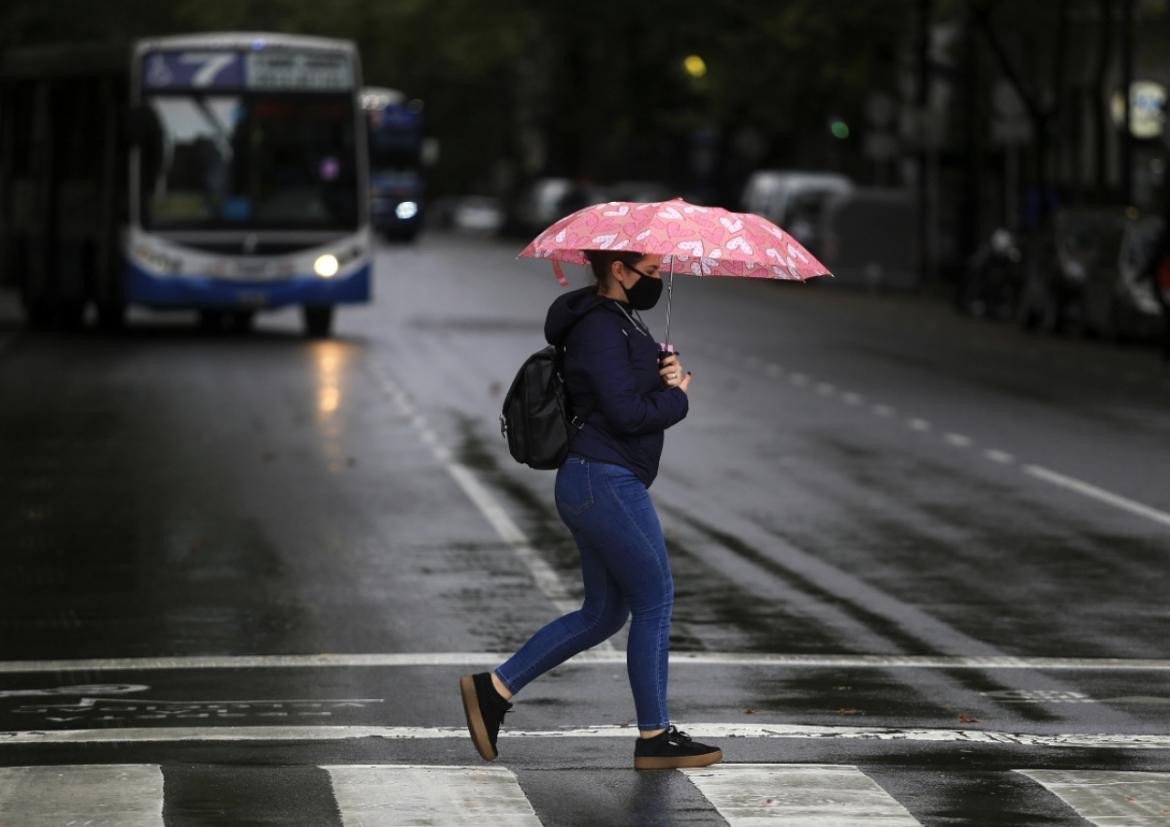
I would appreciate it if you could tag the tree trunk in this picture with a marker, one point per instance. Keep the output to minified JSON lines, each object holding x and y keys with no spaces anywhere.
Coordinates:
{"x":1100,"y":108}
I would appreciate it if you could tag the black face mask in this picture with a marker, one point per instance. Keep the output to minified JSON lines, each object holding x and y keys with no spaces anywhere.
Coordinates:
{"x":645,"y":292}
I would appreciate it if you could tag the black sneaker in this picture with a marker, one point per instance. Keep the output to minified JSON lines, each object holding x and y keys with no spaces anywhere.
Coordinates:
{"x":485,"y":711}
{"x":672,"y":749}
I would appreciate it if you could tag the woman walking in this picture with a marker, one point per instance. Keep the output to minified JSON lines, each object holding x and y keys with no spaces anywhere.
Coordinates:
{"x":612,"y":370}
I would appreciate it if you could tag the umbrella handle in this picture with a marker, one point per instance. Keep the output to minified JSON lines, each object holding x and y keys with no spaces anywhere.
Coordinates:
{"x":669,"y":291}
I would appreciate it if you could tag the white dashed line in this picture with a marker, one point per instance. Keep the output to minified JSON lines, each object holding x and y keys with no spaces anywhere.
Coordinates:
{"x":962,"y":441}
{"x":774,"y":370}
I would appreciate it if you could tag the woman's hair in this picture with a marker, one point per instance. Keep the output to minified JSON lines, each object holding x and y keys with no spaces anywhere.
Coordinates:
{"x":600,"y":260}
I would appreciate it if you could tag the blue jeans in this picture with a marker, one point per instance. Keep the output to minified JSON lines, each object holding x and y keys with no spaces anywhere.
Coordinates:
{"x":626,"y":572}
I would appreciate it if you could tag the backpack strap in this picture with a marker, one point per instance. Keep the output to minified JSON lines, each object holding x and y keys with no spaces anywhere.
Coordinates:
{"x":579,"y":420}
{"x":576,"y":420}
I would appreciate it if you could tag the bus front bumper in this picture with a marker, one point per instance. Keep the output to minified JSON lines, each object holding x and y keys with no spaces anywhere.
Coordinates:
{"x":203,"y":291}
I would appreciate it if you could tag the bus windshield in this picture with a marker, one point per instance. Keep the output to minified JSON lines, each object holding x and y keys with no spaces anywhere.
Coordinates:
{"x":249,"y":161}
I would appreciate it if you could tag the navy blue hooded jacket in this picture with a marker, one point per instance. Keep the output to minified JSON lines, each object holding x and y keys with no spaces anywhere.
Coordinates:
{"x":611,"y":372}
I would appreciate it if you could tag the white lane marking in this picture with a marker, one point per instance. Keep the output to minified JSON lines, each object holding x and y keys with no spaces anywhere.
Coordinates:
{"x":702,"y":731}
{"x":593,"y":656}
{"x":774,"y":370}
{"x":1116,"y":799}
{"x":1100,"y":494}
{"x":851,"y":398}
{"x":799,"y":795}
{"x":95,"y":795}
{"x":389,"y":795}
{"x":545,"y":577}
{"x":1039,"y":472}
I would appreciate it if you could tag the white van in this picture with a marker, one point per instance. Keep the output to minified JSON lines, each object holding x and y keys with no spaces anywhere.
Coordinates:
{"x":794,"y":199}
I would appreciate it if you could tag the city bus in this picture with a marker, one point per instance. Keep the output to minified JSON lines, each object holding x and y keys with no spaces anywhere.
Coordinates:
{"x":222,"y":173}
{"x":397,"y":153}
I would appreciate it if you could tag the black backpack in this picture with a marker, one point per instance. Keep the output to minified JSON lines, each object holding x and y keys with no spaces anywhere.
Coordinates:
{"x":536,"y":419}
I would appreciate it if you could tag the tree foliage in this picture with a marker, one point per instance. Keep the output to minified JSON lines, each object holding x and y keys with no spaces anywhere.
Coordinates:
{"x":592,"y":89}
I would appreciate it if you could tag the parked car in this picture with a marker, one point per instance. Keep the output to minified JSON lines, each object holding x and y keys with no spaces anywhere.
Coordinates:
{"x":545,"y":200}
{"x":794,"y":200}
{"x":1082,"y":249}
{"x":869,"y":238}
{"x":1121,"y":305}
{"x":480,"y":214}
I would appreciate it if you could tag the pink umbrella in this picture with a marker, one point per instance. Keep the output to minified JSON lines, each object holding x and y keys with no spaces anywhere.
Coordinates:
{"x":692,"y":240}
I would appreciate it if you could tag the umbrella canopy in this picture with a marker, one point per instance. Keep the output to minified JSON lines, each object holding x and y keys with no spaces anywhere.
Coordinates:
{"x":693,"y":240}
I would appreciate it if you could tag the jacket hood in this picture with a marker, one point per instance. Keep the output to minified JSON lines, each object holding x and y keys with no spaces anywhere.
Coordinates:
{"x":567,"y":310}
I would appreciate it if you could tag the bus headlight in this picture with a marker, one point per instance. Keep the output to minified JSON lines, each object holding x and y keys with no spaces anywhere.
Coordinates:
{"x":406,"y":210}
{"x":326,"y":266}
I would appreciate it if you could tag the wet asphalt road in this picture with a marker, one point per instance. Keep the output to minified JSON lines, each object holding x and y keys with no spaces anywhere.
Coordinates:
{"x":860,"y":476}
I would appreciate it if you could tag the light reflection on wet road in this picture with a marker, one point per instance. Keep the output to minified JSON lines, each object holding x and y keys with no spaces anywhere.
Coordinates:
{"x":853,"y":479}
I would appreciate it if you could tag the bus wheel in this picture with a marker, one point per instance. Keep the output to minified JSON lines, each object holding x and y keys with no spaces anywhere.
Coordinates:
{"x":211,"y":320}
{"x":242,"y":320}
{"x":318,"y":320}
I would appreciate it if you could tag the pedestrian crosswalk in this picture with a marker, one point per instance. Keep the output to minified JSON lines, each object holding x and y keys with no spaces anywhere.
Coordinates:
{"x":373,"y":796}
{"x":806,"y":794}
{"x":96,"y":795}
{"x":397,"y":795}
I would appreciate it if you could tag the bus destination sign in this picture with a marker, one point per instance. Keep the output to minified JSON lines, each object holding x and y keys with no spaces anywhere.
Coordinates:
{"x":275,"y":69}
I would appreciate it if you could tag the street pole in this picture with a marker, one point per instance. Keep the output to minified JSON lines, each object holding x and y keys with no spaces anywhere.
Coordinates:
{"x":1126,"y":85}
{"x":922,"y":103}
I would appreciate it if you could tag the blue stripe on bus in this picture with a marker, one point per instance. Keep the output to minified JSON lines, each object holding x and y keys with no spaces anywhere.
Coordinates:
{"x":203,"y":291}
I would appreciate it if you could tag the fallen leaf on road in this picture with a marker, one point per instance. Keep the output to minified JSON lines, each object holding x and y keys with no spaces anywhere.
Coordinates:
{"x":847,"y":711}
{"x":749,"y":711}
{"x":967,"y":719}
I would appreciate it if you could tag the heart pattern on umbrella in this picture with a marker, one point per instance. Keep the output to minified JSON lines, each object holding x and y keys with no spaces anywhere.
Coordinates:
{"x":703,"y":241}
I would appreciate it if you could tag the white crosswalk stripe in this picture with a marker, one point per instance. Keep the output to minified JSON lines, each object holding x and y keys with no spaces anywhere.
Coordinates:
{"x":388,"y":795}
{"x":94,"y":795}
{"x":1111,"y":799}
{"x":798,"y":795}
{"x":379,"y":795}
